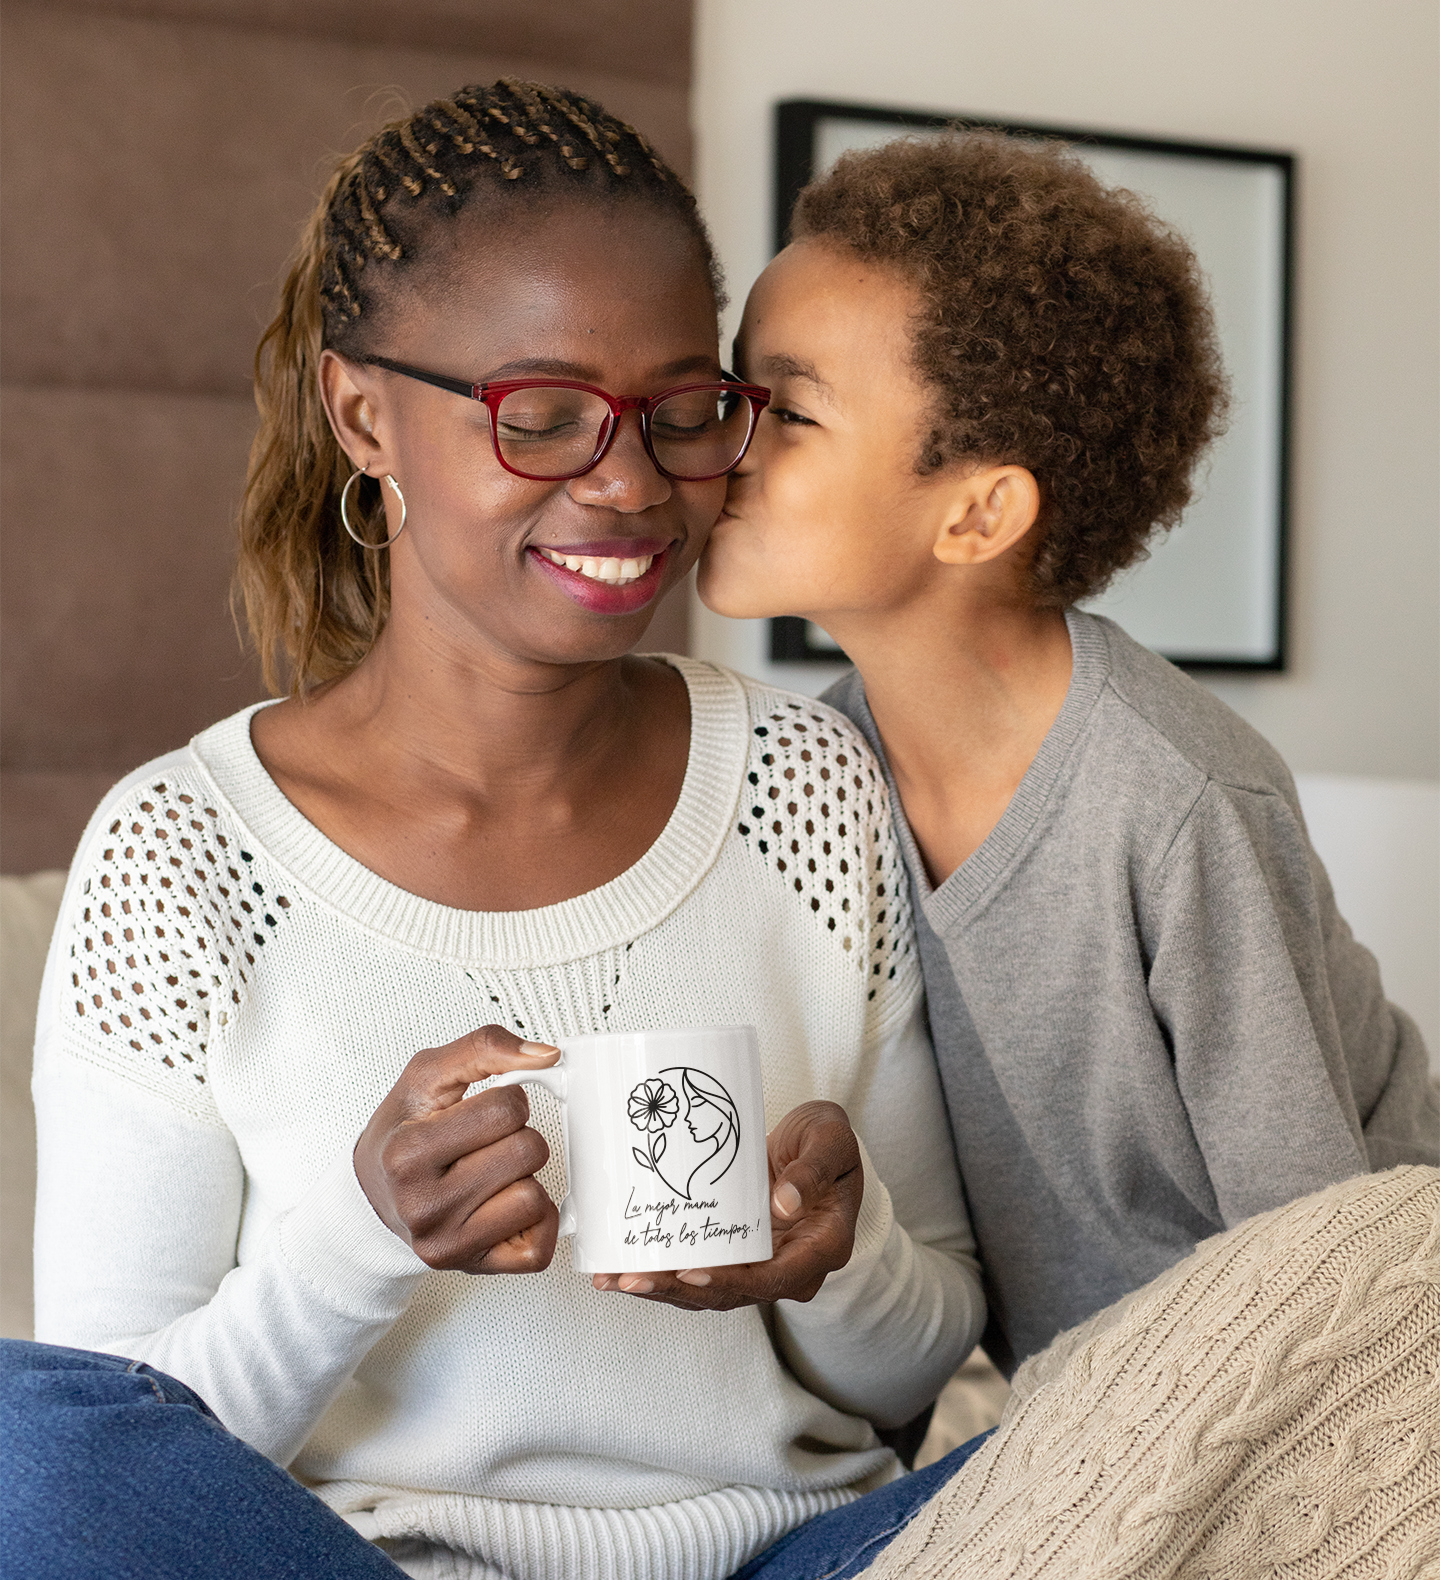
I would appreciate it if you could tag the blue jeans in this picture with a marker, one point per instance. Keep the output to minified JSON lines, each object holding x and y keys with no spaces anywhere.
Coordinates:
{"x":845,"y":1542}
{"x":114,"y":1471}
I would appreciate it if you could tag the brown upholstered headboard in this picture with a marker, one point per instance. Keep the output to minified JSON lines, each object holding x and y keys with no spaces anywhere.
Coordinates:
{"x":160,"y":155}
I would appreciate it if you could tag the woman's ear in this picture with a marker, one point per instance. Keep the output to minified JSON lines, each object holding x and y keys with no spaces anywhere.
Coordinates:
{"x":349,"y":400}
{"x":989,"y":512}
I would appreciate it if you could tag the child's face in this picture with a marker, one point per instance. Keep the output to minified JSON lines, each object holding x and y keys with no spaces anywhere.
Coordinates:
{"x":826,"y":515}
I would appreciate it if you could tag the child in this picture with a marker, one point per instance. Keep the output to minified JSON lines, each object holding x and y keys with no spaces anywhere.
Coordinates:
{"x":992,"y":380}
{"x":259,"y":1170}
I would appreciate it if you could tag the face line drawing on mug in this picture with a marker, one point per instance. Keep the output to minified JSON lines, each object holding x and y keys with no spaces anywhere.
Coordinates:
{"x":711,"y":1116}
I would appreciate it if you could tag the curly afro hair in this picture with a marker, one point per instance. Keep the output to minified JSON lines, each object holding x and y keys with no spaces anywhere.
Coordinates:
{"x":1062,"y":327}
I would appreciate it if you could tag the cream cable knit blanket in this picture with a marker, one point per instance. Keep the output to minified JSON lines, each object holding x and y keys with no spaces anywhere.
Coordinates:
{"x":1270,"y":1407}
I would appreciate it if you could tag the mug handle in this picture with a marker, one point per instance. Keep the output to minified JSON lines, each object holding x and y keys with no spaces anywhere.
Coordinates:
{"x":555,"y":1081}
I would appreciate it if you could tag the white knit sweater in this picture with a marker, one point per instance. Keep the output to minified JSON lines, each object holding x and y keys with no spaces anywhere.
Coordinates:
{"x":230,"y":995}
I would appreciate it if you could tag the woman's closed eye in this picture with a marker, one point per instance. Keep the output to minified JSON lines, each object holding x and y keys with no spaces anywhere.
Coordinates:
{"x":783,"y":414}
{"x":521,"y":434}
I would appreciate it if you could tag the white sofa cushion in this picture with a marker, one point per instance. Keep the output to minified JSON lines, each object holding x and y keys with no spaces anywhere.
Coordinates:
{"x":28,"y":908}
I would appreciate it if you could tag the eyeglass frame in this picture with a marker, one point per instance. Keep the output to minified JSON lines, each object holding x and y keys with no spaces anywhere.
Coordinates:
{"x":490,"y":396}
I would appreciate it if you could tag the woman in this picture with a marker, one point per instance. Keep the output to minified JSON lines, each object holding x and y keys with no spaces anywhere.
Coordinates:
{"x":473,"y":826}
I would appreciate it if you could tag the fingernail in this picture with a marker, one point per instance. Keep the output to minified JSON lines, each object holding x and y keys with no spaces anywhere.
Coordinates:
{"x":537,"y":1050}
{"x":637,"y":1286}
{"x":603,"y":1281}
{"x":786,"y":1200}
{"x":693,"y":1275}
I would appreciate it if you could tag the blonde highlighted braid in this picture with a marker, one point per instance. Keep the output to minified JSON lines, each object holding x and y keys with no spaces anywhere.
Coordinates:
{"x":315,"y":600}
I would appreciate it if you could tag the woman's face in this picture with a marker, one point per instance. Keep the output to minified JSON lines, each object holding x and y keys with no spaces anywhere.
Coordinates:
{"x":826,"y":514}
{"x":614,"y":296}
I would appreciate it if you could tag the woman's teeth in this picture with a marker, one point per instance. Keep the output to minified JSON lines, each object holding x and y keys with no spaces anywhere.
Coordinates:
{"x":615,"y":572}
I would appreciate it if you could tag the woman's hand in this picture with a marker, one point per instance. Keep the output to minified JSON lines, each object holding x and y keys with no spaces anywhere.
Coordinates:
{"x":816,"y":1185}
{"x":452,"y":1175}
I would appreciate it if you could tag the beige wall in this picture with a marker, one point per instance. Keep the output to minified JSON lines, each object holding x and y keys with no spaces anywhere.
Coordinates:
{"x":1351,"y":88}
{"x":159,"y":156}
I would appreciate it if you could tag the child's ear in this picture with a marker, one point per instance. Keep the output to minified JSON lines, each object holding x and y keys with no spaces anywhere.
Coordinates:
{"x":989,"y":512}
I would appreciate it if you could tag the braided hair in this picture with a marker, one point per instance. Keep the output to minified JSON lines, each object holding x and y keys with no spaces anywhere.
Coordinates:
{"x":315,"y":600}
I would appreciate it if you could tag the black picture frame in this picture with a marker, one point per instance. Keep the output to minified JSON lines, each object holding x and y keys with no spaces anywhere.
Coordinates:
{"x":796,"y":125}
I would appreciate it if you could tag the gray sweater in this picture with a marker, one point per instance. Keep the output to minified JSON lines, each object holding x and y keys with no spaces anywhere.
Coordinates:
{"x":1151,"y":1021}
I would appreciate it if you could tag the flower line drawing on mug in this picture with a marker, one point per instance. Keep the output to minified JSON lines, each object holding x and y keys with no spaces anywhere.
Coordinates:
{"x":711,"y":1117}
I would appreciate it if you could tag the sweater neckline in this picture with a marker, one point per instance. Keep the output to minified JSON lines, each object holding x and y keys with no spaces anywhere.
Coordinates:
{"x":946,"y":905}
{"x":604,"y":918}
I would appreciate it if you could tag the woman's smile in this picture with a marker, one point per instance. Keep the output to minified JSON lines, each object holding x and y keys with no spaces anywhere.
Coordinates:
{"x":607,"y":575}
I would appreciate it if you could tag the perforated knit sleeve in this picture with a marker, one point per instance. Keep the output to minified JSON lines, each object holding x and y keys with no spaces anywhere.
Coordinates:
{"x":816,"y":811}
{"x":169,"y":917}
{"x":887,"y":1331}
{"x":166,"y":917}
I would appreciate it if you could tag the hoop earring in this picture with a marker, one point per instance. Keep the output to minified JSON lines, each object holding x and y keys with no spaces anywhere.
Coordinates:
{"x":345,"y":513}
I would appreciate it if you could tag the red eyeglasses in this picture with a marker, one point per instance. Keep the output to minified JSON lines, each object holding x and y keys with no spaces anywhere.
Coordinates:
{"x":548,"y":430}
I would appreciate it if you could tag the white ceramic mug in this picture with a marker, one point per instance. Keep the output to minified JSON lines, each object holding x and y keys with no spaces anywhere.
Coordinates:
{"x":664,"y":1148}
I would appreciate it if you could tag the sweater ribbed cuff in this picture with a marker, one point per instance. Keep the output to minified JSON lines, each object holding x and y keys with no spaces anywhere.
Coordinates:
{"x":335,"y":1241}
{"x":872,"y":1235}
{"x":877,"y":1213}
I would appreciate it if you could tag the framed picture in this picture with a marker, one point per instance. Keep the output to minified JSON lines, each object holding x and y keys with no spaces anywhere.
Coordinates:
{"x":1212,"y":594}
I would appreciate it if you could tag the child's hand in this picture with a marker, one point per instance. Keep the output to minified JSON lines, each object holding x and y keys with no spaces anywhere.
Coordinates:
{"x":452,"y":1175}
{"x":816,"y":1185}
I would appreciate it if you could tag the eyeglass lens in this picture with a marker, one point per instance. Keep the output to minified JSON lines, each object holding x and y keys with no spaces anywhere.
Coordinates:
{"x":547,"y":432}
